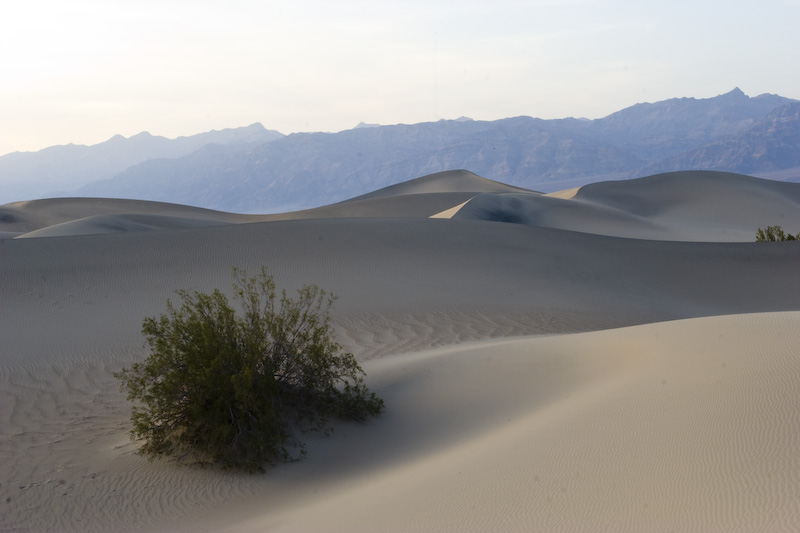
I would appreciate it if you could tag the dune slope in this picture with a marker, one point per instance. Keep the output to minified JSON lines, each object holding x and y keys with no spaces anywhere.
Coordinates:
{"x":665,"y":397}
{"x":418,"y":198}
{"x":700,"y":206}
{"x":678,"y":206}
{"x":680,"y":426}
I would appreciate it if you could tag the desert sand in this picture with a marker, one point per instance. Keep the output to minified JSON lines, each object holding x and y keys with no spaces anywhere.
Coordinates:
{"x":621,"y":357}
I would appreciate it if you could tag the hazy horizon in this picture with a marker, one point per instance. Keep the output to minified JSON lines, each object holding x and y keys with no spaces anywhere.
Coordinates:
{"x":84,"y":72}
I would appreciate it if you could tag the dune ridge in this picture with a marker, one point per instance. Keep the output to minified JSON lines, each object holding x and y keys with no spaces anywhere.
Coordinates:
{"x":24,"y":217}
{"x":536,"y":377}
{"x":702,"y":206}
{"x":679,"y":206}
{"x":599,"y":431}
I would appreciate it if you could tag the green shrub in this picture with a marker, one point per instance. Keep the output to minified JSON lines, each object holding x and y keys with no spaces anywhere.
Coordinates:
{"x":225,"y":387}
{"x":773,"y":234}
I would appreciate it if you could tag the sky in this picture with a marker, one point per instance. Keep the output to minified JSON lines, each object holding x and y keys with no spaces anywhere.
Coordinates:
{"x":84,"y":70}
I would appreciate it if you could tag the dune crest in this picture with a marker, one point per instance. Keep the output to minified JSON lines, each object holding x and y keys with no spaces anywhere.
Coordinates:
{"x":702,"y":206}
{"x":680,"y":206}
{"x":566,"y":194}
{"x":448,"y":213}
{"x":652,"y":427}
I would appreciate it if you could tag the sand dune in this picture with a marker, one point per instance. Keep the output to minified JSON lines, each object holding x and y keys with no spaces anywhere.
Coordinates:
{"x":664,"y":398}
{"x":419,"y":198}
{"x":679,"y":426}
{"x":98,"y":224}
{"x":36,"y":215}
{"x":452,"y":181}
{"x":448,"y":213}
{"x":679,"y":206}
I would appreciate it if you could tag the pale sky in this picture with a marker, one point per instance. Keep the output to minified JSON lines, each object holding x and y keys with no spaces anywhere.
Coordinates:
{"x":81,"y":71}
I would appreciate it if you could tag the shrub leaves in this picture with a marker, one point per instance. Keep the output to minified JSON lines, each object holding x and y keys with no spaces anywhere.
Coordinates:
{"x":227,"y":387}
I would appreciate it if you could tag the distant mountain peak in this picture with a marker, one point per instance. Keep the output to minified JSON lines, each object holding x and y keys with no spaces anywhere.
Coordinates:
{"x":118,"y":138}
{"x":735,"y":93}
{"x":459,"y":119}
{"x":361,"y":125}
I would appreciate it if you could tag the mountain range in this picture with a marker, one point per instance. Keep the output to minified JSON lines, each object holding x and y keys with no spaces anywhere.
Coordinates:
{"x":253,"y":169}
{"x":60,"y":170}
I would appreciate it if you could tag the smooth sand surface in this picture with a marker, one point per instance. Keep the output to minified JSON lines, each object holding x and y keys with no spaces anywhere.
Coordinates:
{"x":676,"y":426}
{"x":448,"y":213}
{"x":565,"y":194}
{"x":536,"y":378}
{"x":39,"y":215}
{"x":421,"y":197}
{"x":678,"y":206}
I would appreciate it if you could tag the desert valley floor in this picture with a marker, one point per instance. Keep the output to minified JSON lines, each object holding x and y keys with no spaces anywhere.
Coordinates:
{"x":622,"y":357}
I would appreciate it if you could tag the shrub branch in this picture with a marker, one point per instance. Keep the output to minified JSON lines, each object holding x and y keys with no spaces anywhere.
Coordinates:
{"x":225,"y":384}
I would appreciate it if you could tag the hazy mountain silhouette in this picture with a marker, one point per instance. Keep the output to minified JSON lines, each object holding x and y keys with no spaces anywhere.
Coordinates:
{"x":771,"y":144}
{"x":662,"y":129}
{"x":60,"y":169}
{"x":730,"y":132}
{"x":309,"y":169}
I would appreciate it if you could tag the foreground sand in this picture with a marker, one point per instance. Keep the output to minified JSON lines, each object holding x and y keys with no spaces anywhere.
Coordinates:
{"x":681,"y":414}
{"x":678,"y":426}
